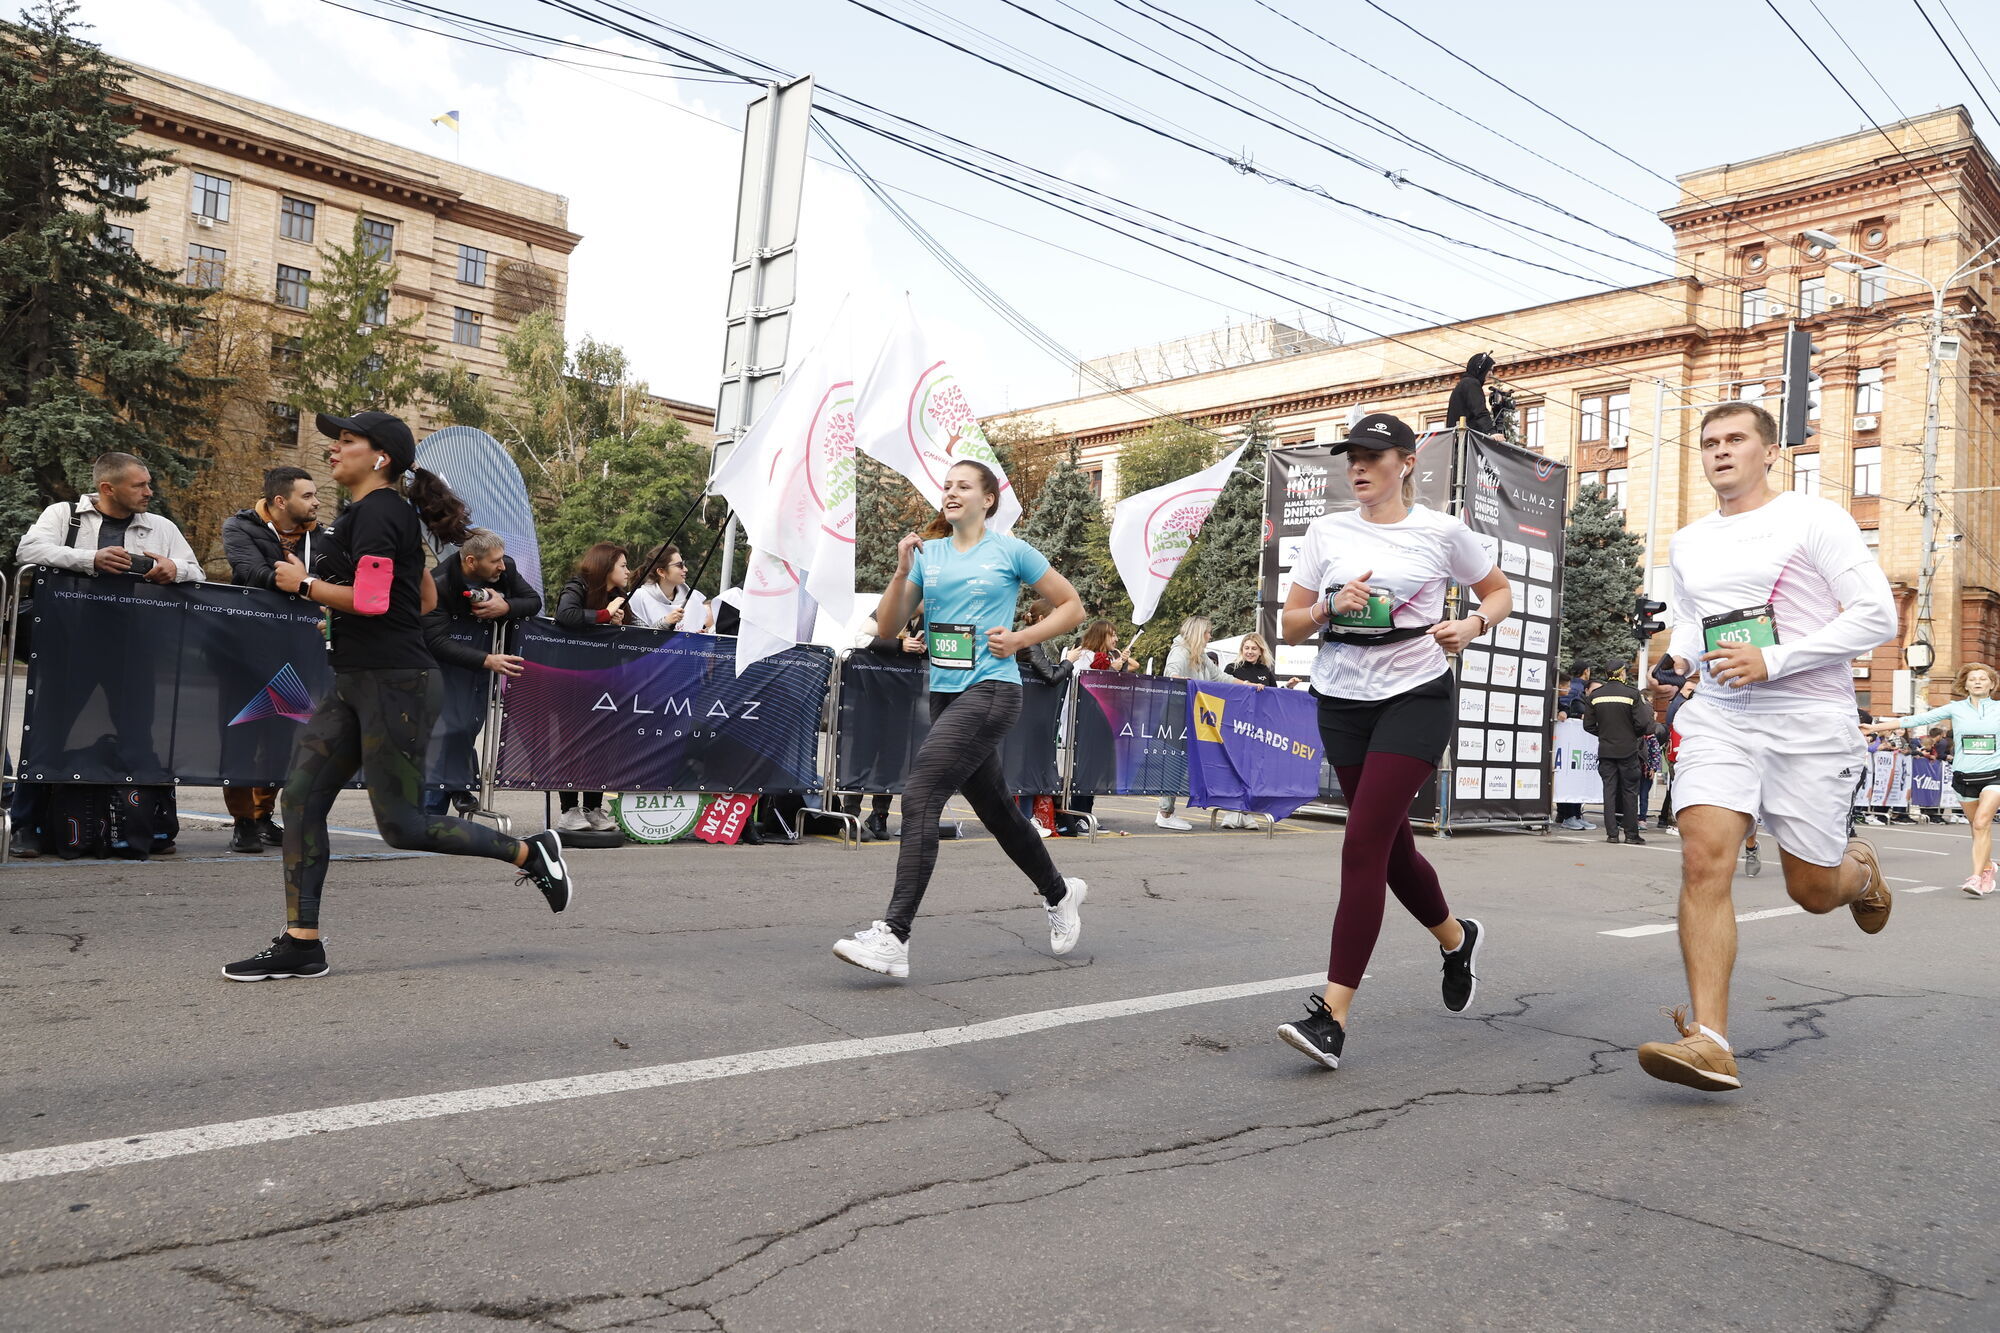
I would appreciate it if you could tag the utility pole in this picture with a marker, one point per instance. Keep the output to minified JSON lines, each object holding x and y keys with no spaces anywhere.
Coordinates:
{"x":1927,"y":492}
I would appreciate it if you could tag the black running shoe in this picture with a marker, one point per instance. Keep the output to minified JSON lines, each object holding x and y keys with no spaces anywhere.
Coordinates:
{"x":1319,"y":1035}
{"x":1461,"y":976}
{"x":1634,"y":840}
{"x":287,"y":958}
{"x":547,"y":869}
{"x":270,"y":833}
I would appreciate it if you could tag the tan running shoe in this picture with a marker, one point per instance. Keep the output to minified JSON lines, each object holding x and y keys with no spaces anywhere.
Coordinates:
{"x":1871,"y":909}
{"x":1695,"y":1061}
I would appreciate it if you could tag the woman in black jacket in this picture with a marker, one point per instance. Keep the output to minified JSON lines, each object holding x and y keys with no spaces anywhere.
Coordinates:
{"x":595,"y":596}
{"x":1253,"y":662}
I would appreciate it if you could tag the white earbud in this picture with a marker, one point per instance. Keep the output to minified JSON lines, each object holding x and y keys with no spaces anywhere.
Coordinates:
{"x":380,"y":459}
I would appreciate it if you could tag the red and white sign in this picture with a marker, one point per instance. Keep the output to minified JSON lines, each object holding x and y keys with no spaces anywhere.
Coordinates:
{"x":725,"y":819}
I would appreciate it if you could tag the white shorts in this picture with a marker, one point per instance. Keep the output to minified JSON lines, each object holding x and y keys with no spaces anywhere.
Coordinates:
{"x":1795,"y":771}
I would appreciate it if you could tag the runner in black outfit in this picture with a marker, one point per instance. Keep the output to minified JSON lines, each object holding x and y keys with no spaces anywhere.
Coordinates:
{"x":377,"y":718}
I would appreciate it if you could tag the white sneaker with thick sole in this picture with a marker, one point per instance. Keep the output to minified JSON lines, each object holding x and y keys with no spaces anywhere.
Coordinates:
{"x":599,"y":821}
{"x":573,"y":821}
{"x":1065,"y":917}
{"x":876,"y":949}
{"x":1173,"y":822}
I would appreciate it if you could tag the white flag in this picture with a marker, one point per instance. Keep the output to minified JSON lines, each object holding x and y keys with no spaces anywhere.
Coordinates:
{"x":790,"y":480}
{"x":914,"y":416}
{"x":1152,"y":531}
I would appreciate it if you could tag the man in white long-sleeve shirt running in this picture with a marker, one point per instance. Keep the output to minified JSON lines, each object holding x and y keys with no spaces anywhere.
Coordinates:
{"x":1775,"y":594}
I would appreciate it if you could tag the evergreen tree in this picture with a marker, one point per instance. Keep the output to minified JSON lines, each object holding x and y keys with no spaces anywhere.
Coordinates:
{"x":349,"y":355}
{"x":1067,"y":525}
{"x":1601,"y":576}
{"x":885,"y":507}
{"x":90,"y":333}
{"x":1227,"y":558}
{"x":634,"y":490}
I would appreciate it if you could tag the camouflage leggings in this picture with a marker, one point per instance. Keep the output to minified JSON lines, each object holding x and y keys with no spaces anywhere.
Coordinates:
{"x":379,"y":723}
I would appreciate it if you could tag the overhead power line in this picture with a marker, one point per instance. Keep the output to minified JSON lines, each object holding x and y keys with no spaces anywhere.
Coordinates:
{"x":1976,"y":90}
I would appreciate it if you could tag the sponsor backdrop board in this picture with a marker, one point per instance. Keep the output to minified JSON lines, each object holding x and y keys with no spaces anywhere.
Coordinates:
{"x":1516,"y":501}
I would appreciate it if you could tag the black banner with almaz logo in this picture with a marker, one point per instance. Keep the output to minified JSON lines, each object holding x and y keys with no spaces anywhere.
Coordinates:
{"x":147,"y":683}
{"x":1516,"y":501}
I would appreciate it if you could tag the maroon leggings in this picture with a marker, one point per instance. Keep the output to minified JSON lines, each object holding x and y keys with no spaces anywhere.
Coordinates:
{"x":1377,"y":851}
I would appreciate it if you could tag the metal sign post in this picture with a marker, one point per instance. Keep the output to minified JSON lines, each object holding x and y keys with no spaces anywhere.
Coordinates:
{"x":763,"y":276}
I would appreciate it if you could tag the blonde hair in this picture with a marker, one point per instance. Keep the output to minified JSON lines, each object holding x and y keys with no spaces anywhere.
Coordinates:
{"x":1263,"y":649}
{"x":1194,"y":634}
{"x":1958,"y":690}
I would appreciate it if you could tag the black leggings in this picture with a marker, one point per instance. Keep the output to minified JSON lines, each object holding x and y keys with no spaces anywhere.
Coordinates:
{"x":962,"y":753}
{"x":379,"y":723}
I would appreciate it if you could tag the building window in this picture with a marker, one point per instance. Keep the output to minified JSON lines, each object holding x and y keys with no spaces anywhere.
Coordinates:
{"x":378,"y":239}
{"x":1875,"y":237}
{"x":1604,"y":416}
{"x":1095,"y":476}
{"x":1750,"y":391}
{"x":1753,"y":305}
{"x":1812,"y":297}
{"x":1868,"y":391}
{"x":284,"y":350}
{"x":1614,"y":486}
{"x":1872,"y":539}
{"x":465,"y":326}
{"x":1618,"y":417}
{"x":211,"y":197}
{"x":471,"y":266}
{"x":1873,"y":286}
{"x":1531,"y":425}
{"x":206,"y":266}
{"x":124,"y":189}
{"x":1590,"y":418}
{"x":1868,"y":470}
{"x":295,"y":219}
{"x":293,"y":285}
{"x":1805,"y":473}
{"x":116,"y":237}
{"x":377,"y":313}
{"x":282,"y":425}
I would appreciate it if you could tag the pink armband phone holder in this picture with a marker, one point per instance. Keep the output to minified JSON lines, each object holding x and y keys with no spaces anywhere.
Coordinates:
{"x":372,"y":577}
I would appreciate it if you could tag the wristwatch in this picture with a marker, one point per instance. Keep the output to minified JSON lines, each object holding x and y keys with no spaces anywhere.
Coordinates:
{"x":305,"y":586}
{"x":1484,"y":623}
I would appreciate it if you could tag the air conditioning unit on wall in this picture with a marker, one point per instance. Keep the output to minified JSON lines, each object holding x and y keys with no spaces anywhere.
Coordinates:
{"x":1869,"y":422}
{"x":202,"y":219}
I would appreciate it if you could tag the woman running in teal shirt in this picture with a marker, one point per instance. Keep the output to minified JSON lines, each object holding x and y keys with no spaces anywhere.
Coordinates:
{"x":1974,"y":715}
{"x":969,"y":582}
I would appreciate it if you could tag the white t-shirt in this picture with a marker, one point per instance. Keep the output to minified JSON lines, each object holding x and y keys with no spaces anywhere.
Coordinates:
{"x":1804,"y":556}
{"x":650,"y":606}
{"x":1415,"y":562}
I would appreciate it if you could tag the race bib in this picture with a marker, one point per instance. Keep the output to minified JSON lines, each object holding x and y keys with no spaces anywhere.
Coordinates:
{"x":1977,"y":744}
{"x":1756,"y":626}
{"x":951,"y":646}
{"x":1373,"y":616}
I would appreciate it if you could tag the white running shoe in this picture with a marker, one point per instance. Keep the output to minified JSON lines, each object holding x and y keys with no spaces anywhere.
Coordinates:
{"x":1173,"y":822}
{"x":876,"y":949}
{"x":600,"y":822}
{"x":1041,"y":830}
{"x":1065,"y":917}
{"x":573,"y":821}
{"x":1228,"y":819}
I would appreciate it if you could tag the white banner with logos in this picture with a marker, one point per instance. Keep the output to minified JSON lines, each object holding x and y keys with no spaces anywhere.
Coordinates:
{"x":1575,"y":763}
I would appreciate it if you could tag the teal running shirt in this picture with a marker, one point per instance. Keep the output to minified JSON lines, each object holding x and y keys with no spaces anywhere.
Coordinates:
{"x":967,"y":593}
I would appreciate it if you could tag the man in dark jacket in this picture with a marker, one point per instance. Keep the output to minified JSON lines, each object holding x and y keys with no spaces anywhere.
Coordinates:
{"x":477,"y":586}
{"x":285,"y":522}
{"x":1468,"y":399}
{"x":1621,"y":719}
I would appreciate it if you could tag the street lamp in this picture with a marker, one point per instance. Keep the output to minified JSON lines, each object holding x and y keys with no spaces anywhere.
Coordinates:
{"x":1920,"y":651}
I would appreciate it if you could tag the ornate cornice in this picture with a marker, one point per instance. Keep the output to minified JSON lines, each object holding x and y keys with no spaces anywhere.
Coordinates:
{"x":1950,"y":161}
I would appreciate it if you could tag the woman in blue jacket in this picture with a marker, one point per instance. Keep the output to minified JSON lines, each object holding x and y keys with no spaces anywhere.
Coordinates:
{"x":1974,"y":715}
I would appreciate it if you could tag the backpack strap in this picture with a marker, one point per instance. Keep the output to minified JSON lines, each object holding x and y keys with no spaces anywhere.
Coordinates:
{"x":75,"y":526}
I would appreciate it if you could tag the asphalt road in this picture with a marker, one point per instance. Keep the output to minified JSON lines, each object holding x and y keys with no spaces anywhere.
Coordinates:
{"x":1041,"y":1154}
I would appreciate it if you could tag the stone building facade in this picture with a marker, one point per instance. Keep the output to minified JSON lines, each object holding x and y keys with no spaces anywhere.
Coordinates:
{"x":1590,"y":373}
{"x":256,"y":190}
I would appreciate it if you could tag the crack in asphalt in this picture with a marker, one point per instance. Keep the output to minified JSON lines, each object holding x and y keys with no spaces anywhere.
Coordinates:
{"x":1888,"y":1283}
{"x":75,"y":939}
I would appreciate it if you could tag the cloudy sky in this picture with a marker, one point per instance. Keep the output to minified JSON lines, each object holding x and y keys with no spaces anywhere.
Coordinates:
{"x":1333,"y":96}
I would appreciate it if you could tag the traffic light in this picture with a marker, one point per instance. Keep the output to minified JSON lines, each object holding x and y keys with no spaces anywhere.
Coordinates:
{"x":1646,"y":615}
{"x":1801,"y":401}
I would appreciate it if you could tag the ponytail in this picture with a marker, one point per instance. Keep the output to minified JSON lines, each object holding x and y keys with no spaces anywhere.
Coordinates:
{"x":447,"y":517}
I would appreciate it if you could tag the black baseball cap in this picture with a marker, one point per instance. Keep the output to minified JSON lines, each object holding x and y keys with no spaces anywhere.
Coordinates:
{"x":1378,"y":430}
{"x":385,"y":432}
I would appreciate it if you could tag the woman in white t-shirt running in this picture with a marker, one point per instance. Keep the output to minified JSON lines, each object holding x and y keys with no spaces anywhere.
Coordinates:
{"x":1371,"y":583}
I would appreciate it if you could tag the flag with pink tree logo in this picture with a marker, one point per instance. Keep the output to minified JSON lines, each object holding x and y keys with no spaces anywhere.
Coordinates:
{"x":1151,"y":532}
{"x":915,"y":417}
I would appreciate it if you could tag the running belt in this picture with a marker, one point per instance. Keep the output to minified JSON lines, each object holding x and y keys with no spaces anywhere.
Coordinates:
{"x":1400,"y":634}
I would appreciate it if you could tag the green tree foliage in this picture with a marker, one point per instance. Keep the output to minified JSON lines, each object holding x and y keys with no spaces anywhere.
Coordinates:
{"x":635,"y":487}
{"x":1601,"y":575}
{"x":351,"y":357}
{"x":885,"y":507}
{"x":1067,"y":524}
{"x":90,"y":333}
{"x":565,"y":399}
{"x":1225,"y":562}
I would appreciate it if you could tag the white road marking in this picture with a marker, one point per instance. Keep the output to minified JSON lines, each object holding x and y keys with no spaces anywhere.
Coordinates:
{"x":231,"y":819}
{"x":1669,"y":927}
{"x":127,"y":1149}
{"x":1921,"y":851}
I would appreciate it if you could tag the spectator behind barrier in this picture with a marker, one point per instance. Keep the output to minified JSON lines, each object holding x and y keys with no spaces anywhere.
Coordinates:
{"x":479,"y":583}
{"x":254,"y":540}
{"x":1096,"y":651}
{"x":1189,"y":659}
{"x":1252,"y":667}
{"x":1050,"y":672}
{"x":595,"y":596}
{"x":666,"y":602}
{"x":108,"y":532}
